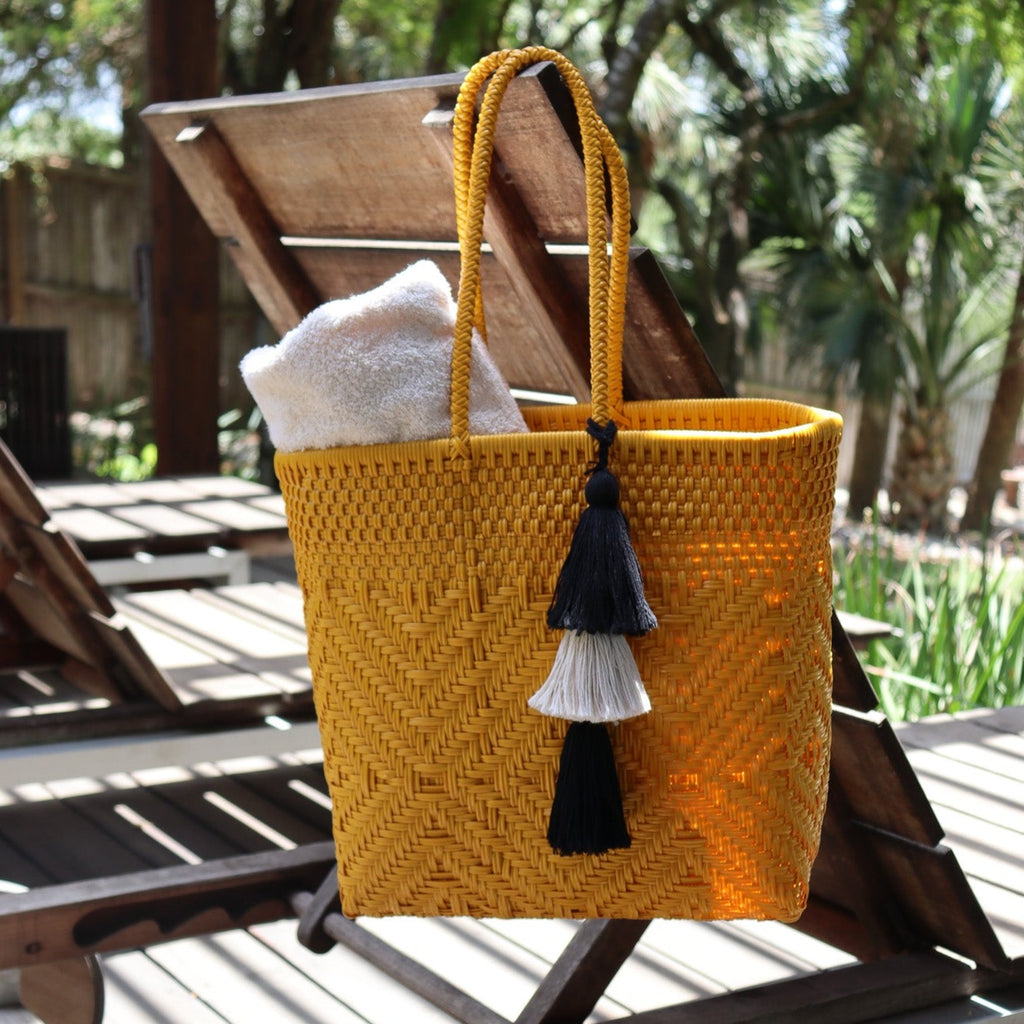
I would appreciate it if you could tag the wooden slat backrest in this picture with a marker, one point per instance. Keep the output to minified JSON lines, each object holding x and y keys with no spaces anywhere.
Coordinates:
{"x":327,"y":193}
{"x":348,"y":185}
{"x":49,"y":594}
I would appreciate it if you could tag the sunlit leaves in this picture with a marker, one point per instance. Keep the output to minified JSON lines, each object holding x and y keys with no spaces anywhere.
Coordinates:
{"x":57,"y":58}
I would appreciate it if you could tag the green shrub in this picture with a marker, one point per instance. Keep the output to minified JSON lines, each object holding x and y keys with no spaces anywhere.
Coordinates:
{"x":114,"y":443}
{"x":957,"y":618}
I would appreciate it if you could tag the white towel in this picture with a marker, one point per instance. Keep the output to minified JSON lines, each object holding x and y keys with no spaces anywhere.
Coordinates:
{"x":375,"y":368}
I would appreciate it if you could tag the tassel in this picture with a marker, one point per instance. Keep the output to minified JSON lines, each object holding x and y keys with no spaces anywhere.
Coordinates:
{"x":598,"y":600}
{"x":586,"y":813}
{"x":600,"y":589}
{"x":594,"y":679}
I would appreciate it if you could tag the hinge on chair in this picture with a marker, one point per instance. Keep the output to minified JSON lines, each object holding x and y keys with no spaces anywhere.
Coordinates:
{"x":325,"y":901}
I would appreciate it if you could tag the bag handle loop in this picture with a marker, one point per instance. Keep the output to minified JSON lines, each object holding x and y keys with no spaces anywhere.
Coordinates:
{"x":607,"y":274}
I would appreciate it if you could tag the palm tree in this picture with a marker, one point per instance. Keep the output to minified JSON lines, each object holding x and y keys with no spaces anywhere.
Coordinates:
{"x":955,"y":315}
{"x":948,"y":346}
{"x":902,"y":279}
{"x":695,"y":97}
{"x":1004,"y":415}
{"x":835,"y":296}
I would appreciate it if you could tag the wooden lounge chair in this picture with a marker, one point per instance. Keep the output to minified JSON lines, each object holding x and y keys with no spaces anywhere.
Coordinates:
{"x":312,"y":191}
{"x":108,"y":691}
{"x":77,"y":662}
{"x":326,"y":193}
{"x":147,"y":532}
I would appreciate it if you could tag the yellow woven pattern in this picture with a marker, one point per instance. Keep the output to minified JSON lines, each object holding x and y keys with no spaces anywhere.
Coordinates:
{"x":426,"y":581}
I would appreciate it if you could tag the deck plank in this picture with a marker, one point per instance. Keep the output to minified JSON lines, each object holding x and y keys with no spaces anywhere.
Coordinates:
{"x":111,"y":519}
{"x":200,"y":665}
{"x":276,"y":605}
{"x":363,"y":987}
{"x":302,"y":793}
{"x":971,"y":767}
{"x":803,"y":948}
{"x":140,"y":820}
{"x":984,"y":794}
{"x":209,"y":806}
{"x":18,"y":870}
{"x":238,"y":516}
{"x":83,"y":850}
{"x":164,"y":524}
{"x":985,"y":849}
{"x":261,"y":606}
{"x":967,"y":740}
{"x":42,"y":691}
{"x":658,"y":975}
{"x":139,"y":991}
{"x":227,"y":637}
{"x":1006,"y":912}
{"x":243,"y":980}
{"x":194,"y":674}
{"x":93,"y":528}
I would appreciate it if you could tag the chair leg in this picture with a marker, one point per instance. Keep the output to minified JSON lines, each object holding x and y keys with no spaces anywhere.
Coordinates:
{"x":66,"y":992}
{"x":579,"y":977}
{"x":567,"y":994}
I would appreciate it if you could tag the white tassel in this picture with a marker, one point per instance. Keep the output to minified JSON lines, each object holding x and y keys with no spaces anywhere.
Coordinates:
{"x":594,"y":679}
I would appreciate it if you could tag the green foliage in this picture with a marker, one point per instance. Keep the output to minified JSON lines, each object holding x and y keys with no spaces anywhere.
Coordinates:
{"x":239,"y":443}
{"x":127,"y":466}
{"x":59,"y":56}
{"x":379,"y":40}
{"x":115,"y":443}
{"x":47,"y":133}
{"x":907,"y":240}
{"x":958,"y":625}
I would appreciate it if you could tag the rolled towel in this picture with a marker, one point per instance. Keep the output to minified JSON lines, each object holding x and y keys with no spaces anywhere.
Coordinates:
{"x":375,"y":368}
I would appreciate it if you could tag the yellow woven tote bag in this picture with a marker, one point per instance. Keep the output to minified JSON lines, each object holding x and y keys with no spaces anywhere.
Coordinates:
{"x":428,"y":571}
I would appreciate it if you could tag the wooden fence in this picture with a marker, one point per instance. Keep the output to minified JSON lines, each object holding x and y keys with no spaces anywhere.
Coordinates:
{"x":74,"y":254}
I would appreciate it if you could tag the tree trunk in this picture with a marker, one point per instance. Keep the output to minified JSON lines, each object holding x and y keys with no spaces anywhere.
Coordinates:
{"x":923,"y":474}
{"x":1003,"y":417}
{"x":869,"y":454}
{"x":627,"y":66}
{"x":310,"y":40}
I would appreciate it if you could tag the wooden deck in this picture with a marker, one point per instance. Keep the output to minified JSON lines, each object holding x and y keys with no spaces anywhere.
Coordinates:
{"x":971,"y":767}
{"x":166,"y":514}
{"x":972,"y":770}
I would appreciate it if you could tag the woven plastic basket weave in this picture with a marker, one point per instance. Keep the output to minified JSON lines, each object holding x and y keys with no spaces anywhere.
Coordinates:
{"x":427,"y":569}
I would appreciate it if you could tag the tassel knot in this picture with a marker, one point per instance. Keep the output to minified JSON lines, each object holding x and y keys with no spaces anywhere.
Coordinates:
{"x":602,"y":489}
{"x":604,"y":436}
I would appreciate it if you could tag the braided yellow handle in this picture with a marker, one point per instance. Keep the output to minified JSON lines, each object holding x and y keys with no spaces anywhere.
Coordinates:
{"x":472,"y":156}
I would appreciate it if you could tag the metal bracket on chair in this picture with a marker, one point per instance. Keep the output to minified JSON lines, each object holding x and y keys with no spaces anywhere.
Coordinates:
{"x":312,"y":910}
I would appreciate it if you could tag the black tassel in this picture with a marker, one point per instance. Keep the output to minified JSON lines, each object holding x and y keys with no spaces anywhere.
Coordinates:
{"x":586,"y":813}
{"x":600,"y":589}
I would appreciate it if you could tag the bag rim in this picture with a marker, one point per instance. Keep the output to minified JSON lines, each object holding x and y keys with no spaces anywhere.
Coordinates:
{"x":807,"y":423}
